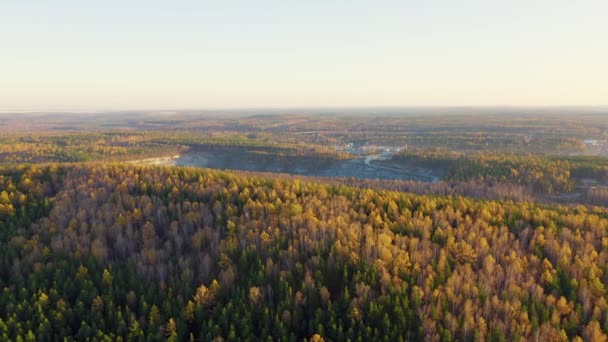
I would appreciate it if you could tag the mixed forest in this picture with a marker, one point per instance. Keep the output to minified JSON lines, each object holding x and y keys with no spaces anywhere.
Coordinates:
{"x":108,"y":251}
{"x":510,"y":245}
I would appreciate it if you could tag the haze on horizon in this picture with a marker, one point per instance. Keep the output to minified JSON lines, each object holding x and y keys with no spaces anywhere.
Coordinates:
{"x":70,"y":55}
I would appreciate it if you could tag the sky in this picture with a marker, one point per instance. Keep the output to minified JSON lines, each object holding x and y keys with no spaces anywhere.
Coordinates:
{"x":113,"y":55}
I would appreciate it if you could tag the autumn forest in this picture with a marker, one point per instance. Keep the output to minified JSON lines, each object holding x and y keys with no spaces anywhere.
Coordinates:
{"x":143,"y":226}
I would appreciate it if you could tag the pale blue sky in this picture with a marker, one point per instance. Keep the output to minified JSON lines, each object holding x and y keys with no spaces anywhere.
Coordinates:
{"x":107,"y":55}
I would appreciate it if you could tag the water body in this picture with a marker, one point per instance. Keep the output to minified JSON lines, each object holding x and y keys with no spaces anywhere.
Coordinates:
{"x":363,"y":167}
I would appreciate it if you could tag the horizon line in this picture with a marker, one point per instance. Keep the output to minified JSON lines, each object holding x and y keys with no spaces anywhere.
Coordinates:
{"x":291,"y":108}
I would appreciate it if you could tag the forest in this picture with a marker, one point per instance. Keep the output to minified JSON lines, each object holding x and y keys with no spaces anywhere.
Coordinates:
{"x":111,"y":251}
{"x":508,"y":244}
